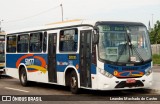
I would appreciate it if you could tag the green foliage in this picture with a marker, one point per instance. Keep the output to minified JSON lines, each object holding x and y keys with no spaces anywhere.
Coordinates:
{"x":155,"y":34}
{"x":156,"y":59}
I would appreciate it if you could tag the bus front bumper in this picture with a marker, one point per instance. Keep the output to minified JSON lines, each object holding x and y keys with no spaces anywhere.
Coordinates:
{"x":105,"y":83}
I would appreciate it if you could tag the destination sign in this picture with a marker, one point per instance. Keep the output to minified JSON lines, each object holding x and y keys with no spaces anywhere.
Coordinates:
{"x":113,"y":28}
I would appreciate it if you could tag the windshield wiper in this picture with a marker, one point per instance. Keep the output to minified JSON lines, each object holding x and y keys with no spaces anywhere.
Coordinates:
{"x":132,"y":47}
{"x":142,"y":60}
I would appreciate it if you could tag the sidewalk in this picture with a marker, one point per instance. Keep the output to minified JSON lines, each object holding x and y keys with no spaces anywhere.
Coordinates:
{"x":156,"y":79}
{"x":156,"y":68}
{"x":156,"y":83}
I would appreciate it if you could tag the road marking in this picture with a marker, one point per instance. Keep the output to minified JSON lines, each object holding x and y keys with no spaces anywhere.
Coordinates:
{"x":16,"y":89}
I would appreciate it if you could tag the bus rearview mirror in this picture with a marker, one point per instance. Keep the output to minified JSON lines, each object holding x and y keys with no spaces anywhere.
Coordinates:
{"x":95,"y":35}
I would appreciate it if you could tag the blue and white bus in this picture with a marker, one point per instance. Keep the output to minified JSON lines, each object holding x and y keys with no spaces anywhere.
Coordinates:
{"x":102,"y":55}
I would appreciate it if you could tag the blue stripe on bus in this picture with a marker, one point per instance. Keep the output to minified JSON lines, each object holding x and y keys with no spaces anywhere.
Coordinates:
{"x":62,"y":61}
{"x":12,"y":59}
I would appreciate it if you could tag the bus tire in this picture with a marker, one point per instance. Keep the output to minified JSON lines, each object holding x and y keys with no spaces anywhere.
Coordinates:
{"x":23,"y":77}
{"x":74,"y":83}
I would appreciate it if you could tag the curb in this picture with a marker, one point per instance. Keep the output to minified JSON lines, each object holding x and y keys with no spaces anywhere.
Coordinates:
{"x":154,"y":91}
{"x":156,"y":66}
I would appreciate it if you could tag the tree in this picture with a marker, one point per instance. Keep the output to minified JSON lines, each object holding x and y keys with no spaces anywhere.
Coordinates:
{"x":155,"y":34}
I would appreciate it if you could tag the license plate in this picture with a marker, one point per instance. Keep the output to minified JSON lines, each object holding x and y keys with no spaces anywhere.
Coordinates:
{"x":131,"y":81}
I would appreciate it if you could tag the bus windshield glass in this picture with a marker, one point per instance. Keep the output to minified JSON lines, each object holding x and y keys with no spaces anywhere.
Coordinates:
{"x":125,"y":44}
{"x":2,"y":45}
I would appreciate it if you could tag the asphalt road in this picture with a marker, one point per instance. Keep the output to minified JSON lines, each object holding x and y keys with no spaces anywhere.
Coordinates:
{"x":11,"y":86}
{"x":60,"y":94}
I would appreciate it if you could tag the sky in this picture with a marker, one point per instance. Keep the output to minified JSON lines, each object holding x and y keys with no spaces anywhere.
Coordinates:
{"x":19,"y":14}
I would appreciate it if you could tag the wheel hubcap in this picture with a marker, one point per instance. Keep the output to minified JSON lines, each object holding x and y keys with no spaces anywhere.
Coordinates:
{"x":73,"y":82}
{"x":23,"y":78}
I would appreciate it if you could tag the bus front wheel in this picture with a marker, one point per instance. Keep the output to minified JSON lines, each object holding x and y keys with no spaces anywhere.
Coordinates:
{"x":23,"y":77}
{"x":74,"y":83}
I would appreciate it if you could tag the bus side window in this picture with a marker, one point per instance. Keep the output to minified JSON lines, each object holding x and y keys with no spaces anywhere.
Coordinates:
{"x":36,"y":42}
{"x":22,"y":43}
{"x":2,"y":44}
{"x":68,"y":40}
{"x":11,"y":44}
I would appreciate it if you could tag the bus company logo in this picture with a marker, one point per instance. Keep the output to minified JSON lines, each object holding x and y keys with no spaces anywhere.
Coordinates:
{"x":130,"y":73}
{"x":62,"y":63}
{"x":30,"y":63}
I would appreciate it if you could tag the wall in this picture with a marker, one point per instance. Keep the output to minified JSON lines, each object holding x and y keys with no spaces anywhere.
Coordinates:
{"x":155,"y":48}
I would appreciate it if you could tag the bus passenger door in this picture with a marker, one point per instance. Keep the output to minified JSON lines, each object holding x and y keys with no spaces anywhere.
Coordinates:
{"x":52,"y":72}
{"x":85,"y":58}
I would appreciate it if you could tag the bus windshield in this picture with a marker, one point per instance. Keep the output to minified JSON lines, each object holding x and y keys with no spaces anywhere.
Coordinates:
{"x":118,"y":45}
{"x":2,"y":45}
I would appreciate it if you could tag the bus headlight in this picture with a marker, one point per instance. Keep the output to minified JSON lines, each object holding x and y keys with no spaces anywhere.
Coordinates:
{"x":105,"y":73}
{"x":148,"y":71}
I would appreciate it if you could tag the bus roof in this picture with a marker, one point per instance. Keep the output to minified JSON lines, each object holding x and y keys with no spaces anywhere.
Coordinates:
{"x":55,"y":25}
{"x":69,"y":23}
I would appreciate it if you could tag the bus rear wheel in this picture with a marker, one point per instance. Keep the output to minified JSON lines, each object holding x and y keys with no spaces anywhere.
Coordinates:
{"x":23,"y":77}
{"x":74,"y":83}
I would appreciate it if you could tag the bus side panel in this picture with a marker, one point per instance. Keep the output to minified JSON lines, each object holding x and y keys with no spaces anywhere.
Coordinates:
{"x":64,"y":60}
{"x":93,"y":76}
{"x":12,"y":72}
{"x":36,"y":66}
{"x":11,"y":69}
